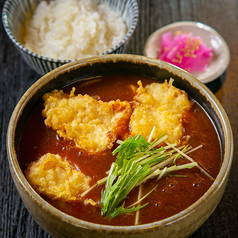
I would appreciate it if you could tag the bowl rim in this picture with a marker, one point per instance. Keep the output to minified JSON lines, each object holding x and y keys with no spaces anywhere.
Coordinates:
{"x":17,"y":173}
{"x":5,"y":13}
{"x":200,"y":25}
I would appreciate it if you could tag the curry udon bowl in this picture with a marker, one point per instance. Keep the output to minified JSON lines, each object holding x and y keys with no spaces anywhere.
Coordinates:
{"x":59,"y":224}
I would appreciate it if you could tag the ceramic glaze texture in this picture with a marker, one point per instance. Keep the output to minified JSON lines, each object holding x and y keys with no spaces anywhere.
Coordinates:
{"x":59,"y":224}
{"x":15,"y":13}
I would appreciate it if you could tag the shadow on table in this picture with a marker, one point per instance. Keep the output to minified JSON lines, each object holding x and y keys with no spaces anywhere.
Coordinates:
{"x":216,"y":84}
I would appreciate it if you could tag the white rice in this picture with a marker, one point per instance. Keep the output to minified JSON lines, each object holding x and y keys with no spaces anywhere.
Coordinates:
{"x":72,"y":29}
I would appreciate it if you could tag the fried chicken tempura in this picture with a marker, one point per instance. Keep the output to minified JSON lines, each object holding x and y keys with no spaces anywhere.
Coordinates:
{"x":162,"y":106}
{"x":56,"y":178}
{"x":93,"y":125}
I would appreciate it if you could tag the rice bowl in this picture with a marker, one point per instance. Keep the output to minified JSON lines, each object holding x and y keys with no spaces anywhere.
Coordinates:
{"x":72,"y":29}
{"x":15,"y":13}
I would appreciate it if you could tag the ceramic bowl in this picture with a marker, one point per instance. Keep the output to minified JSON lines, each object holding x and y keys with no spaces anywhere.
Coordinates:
{"x":59,"y":224}
{"x":15,"y":13}
{"x":221,"y":54}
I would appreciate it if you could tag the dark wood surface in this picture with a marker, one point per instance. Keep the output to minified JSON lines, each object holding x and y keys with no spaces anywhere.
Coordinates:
{"x":16,"y":77}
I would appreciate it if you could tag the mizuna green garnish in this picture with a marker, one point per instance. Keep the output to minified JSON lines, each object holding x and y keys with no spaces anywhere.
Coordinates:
{"x":137,"y":161}
{"x":118,"y":187}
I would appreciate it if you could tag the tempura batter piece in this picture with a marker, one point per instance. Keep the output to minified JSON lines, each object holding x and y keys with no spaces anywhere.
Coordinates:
{"x":56,"y":178}
{"x":162,"y":106}
{"x":93,"y":125}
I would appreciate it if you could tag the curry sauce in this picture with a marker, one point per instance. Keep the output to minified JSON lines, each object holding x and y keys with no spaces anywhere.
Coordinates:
{"x":174,"y":192}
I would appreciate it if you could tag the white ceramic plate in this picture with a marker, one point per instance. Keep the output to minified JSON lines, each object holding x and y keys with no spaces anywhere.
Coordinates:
{"x":221,"y":53}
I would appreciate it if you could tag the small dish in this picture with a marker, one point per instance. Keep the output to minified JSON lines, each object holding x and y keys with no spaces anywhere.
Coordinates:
{"x":221,"y":53}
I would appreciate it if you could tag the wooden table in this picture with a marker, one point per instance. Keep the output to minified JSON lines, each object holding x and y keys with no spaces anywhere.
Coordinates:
{"x":16,"y":77}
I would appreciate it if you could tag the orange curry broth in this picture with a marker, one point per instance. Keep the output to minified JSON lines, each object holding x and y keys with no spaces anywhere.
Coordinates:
{"x":172,"y":195}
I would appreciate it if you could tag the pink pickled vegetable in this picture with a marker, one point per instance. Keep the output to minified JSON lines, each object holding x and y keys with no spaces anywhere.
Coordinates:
{"x":185,"y":51}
